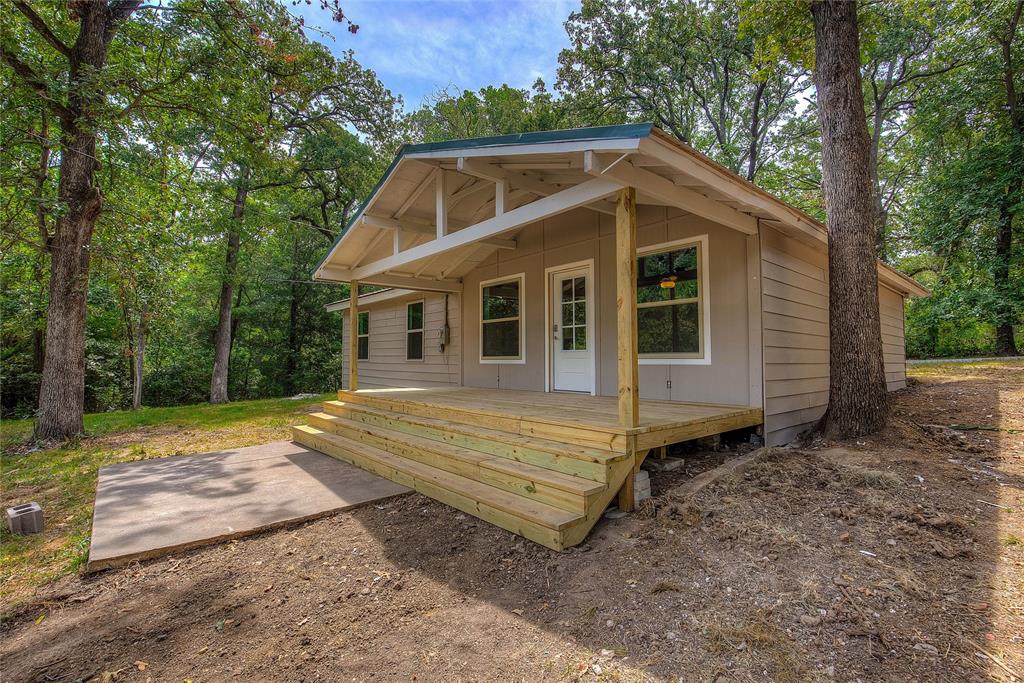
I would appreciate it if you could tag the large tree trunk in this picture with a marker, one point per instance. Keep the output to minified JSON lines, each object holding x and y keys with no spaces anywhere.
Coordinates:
{"x":222,"y":340}
{"x":62,"y":386}
{"x":858,"y":402}
{"x":1006,"y":345}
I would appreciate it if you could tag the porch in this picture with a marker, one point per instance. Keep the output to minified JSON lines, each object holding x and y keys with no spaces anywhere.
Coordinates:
{"x":544,"y":465}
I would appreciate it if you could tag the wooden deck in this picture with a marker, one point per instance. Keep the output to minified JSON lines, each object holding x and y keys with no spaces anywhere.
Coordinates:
{"x":561,"y":413}
{"x":543,"y":465}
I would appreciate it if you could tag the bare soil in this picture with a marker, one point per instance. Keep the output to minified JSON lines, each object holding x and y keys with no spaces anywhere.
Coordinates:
{"x":898,"y":557}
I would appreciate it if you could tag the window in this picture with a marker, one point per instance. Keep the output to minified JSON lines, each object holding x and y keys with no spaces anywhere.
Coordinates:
{"x":414,"y":331}
{"x":669,"y":297}
{"x":501,"y":332}
{"x":363,"y":336}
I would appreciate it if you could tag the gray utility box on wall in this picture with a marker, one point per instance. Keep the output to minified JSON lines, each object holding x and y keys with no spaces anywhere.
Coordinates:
{"x":25,"y":519}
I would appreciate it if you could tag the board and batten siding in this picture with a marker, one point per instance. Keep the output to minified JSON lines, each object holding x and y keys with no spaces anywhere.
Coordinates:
{"x":387,"y":365}
{"x":794,"y":300}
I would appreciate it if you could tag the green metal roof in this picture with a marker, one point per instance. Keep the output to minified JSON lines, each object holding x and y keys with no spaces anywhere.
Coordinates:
{"x":626,"y":131}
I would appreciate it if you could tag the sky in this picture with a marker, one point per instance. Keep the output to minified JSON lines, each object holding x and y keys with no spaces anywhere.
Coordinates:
{"x":417,"y":47}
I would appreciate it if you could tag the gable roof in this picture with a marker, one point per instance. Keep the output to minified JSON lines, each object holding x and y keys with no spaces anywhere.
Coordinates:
{"x":662,"y":161}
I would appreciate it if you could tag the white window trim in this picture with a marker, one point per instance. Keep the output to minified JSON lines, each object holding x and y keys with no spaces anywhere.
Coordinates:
{"x":592,"y":307}
{"x":521,"y":359}
{"x":422,"y":331}
{"x":360,"y":336}
{"x":704,"y":304}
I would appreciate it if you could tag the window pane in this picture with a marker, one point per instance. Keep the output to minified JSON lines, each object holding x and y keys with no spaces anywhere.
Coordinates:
{"x":414,"y":346}
{"x":581,"y":338}
{"x":501,"y":301}
{"x":364,"y":322}
{"x":364,"y":348}
{"x":677,"y":270}
{"x":581,"y":288}
{"x":567,"y":338}
{"x":566,"y":314}
{"x":567,"y":290}
{"x":501,"y":339}
{"x":414,"y":315}
{"x":580,"y":317}
{"x":668,"y":329}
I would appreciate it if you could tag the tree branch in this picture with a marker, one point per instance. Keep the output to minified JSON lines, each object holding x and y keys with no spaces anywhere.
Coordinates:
{"x":42,"y":28}
{"x":29,"y":77}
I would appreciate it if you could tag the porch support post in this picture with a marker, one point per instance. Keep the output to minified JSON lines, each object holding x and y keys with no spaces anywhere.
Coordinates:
{"x":626,"y":333}
{"x":625,"y":307}
{"x":353,"y":337}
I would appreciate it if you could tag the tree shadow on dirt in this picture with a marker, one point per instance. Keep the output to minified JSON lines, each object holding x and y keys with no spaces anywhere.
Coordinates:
{"x":874,"y":560}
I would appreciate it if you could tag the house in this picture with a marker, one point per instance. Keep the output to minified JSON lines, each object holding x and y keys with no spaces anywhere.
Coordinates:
{"x":551,"y":307}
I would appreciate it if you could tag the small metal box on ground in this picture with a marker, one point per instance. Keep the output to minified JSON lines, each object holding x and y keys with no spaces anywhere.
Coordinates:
{"x":25,"y":519}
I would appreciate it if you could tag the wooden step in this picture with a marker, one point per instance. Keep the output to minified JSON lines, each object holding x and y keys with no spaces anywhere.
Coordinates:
{"x":530,"y":481}
{"x":568,"y":458}
{"x":553,"y":428}
{"x":537,"y":521}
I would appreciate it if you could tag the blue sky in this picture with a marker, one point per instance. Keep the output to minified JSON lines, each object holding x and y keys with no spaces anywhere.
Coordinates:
{"x":419,"y":46}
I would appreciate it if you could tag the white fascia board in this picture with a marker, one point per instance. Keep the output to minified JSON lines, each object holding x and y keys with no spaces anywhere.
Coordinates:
{"x":369,"y":299}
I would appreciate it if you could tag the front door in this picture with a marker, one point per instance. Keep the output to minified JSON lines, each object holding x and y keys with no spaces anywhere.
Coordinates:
{"x":572,"y":343}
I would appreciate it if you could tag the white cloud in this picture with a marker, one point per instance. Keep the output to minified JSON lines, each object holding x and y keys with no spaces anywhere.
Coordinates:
{"x":419,"y":47}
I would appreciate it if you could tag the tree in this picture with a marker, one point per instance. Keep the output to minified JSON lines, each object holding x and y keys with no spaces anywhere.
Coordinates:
{"x":687,"y":66}
{"x":79,"y":105}
{"x":858,"y":401}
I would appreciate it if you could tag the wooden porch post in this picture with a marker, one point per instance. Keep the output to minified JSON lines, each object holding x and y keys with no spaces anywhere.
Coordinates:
{"x":626,"y":333}
{"x":625,"y":306}
{"x":353,"y":337}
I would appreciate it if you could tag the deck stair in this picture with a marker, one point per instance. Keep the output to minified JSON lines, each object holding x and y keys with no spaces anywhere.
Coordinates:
{"x":547,"y":481}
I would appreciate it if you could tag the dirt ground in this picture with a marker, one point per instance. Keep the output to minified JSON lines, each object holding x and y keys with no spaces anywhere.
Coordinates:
{"x":895,"y":558}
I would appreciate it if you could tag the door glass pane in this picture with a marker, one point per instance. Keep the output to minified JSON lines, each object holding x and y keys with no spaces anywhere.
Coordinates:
{"x":567,"y":338}
{"x":580,"y":286}
{"x":581,"y":338}
{"x":567,"y":290}
{"x":501,"y":339}
{"x":580,"y":317}
{"x":668,"y":329}
{"x":414,"y":346}
{"x":566,"y":314}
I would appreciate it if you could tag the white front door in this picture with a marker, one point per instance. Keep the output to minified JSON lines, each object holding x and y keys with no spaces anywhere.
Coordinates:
{"x":572,"y":343}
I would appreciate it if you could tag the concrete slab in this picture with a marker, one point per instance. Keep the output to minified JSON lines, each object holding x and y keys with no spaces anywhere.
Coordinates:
{"x":154,"y":507}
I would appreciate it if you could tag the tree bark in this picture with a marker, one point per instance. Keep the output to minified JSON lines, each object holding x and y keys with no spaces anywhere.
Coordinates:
{"x":62,"y":386}
{"x":222,"y":340}
{"x":140,"y":356}
{"x":858,"y":401}
{"x":1006,"y":345}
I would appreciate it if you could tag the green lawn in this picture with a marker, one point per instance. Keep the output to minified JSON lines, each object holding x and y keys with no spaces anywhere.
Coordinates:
{"x":63,"y":480}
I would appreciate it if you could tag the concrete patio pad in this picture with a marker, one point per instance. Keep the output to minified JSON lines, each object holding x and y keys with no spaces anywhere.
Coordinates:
{"x":153,"y":507}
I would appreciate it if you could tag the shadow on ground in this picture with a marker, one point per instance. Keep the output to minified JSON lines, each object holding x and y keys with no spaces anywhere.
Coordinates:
{"x":886,"y":559}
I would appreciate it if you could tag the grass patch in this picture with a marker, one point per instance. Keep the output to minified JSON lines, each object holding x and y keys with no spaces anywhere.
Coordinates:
{"x":954,"y":369}
{"x":872,"y":479}
{"x":63,"y":479}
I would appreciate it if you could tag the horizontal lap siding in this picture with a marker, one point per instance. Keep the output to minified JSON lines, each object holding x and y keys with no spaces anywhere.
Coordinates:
{"x":796,"y":341}
{"x":893,"y":344}
{"x":794,"y":300}
{"x":387,"y":366}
